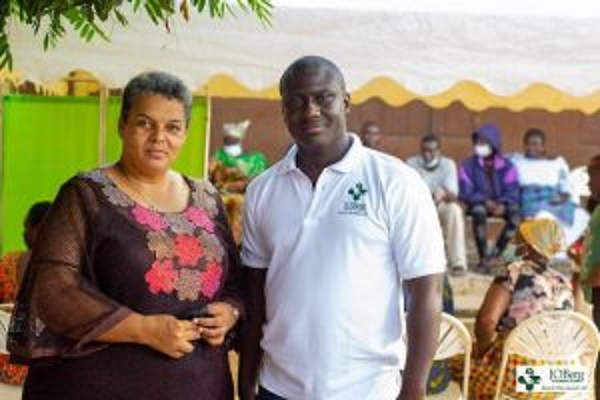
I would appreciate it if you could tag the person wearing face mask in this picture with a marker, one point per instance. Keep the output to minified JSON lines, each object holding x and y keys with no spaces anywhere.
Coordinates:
{"x":231,"y":169}
{"x":441,"y":176}
{"x":489,"y":187}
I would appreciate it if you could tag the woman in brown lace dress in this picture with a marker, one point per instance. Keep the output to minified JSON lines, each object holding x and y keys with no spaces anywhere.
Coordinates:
{"x":132,"y":288}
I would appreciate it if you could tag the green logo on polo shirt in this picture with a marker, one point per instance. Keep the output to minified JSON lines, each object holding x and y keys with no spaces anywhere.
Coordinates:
{"x":356,"y":205}
{"x":357,"y":191}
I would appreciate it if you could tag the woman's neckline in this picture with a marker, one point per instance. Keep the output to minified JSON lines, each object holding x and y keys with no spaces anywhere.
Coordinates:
{"x":188,"y":204}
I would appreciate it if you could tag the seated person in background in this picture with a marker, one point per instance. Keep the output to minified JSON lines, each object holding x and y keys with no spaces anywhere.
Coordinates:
{"x":231,"y":169}
{"x":370,"y":135}
{"x":12,"y":267}
{"x":539,"y":281}
{"x":440,"y":174}
{"x":545,"y":190}
{"x":489,"y":187}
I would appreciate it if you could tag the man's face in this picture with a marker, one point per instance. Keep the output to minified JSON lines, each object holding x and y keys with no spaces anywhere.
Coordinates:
{"x":430,"y":150}
{"x":594,"y":182}
{"x":371,"y":136}
{"x":314,"y":108}
{"x":534,"y":147}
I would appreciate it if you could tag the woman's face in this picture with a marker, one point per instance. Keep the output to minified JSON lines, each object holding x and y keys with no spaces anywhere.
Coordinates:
{"x":153,"y":133}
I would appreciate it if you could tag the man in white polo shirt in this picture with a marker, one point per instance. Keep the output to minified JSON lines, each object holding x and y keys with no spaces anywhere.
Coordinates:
{"x":333,"y":233}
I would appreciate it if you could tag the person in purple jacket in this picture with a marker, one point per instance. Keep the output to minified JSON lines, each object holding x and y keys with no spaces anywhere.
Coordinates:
{"x":489,"y":187}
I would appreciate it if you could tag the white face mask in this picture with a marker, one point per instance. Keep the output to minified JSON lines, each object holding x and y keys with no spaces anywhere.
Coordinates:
{"x":431,"y":164}
{"x":233,"y":150}
{"x":483,"y":150}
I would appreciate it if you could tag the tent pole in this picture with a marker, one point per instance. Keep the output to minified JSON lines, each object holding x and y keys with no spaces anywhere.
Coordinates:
{"x":207,"y":130}
{"x":2,"y":94}
{"x":102,"y":122}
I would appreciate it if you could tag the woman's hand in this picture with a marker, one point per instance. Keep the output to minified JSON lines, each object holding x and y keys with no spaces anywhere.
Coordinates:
{"x":222,"y":317}
{"x":169,"y":335}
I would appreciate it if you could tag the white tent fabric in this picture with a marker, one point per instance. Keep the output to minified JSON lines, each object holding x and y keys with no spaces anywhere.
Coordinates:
{"x":422,"y":49}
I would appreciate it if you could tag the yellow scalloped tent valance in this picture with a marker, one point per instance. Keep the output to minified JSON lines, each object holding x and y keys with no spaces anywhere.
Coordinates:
{"x":473,"y":95}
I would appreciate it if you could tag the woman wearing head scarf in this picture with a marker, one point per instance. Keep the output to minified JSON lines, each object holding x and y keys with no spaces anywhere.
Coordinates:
{"x":132,"y":286}
{"x":231,"y":169}
{"x":539,"y":281}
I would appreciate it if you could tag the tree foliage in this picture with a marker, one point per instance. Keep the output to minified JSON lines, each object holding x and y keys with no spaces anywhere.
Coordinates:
{"x":49,"y":19}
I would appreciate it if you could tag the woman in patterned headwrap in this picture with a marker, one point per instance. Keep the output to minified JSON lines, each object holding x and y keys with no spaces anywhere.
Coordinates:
{"x":539,"y":281}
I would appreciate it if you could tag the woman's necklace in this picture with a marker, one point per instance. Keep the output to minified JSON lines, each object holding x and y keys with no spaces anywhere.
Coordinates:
{"x":129,"y":184}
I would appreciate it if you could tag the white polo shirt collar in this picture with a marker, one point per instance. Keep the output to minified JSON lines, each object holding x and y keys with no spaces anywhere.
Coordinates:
{"x":351,"y":159}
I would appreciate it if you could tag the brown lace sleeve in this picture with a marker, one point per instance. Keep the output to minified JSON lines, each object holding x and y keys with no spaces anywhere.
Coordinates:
{"x":59,"y":310}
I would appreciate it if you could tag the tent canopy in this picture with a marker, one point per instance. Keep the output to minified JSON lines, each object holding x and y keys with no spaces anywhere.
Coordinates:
{"x":436,"y":51}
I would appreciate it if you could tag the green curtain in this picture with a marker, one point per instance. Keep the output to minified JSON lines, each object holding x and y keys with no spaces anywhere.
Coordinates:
{"x":46,"y":140}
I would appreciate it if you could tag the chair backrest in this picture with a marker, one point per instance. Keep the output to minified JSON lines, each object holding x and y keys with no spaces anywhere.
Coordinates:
{"x":553,"y":336}
{"x":578,"y":182}
{"x":454,"y":340}
{"x":4,"y":322}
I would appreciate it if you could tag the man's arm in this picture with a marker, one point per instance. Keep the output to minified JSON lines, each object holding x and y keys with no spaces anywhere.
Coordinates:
{"x":423,"y":324}
{"x":251,"y":352}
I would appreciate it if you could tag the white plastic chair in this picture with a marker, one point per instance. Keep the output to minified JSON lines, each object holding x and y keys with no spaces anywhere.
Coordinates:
{"x":4,"y":322}
{"x":578,"y":182}
{"x":7,"y":392}
{"x":553,"y":336}
{"x":454,"y":340}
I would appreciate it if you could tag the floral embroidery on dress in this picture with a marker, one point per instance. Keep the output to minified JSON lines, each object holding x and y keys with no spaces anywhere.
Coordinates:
{"x":204,"y":199}
{"x":180,"y":224}
{"x":210,"y":279}
{"x":200,"y":217}
{"x":207,"y":187}
{"x":187,"y":253}
{"x":188,"y":284}
{"x":161,"y":277}
{"x":213,"y":249}
{"x":148,"y":217}
{"x":97,"y":175}
{"x":161,"y":244}
{"x":188,"y":250}
{"x":117,"y":197}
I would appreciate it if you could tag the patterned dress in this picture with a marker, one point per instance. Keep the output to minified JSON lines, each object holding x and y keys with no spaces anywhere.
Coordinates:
{"x":100,"y":255}
{"x":10,"y":373}
{"x":533,"y":289}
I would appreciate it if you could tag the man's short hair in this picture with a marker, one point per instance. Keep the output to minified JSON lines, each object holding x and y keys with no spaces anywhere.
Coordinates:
{"x":306,"y":65}
{"x":534,"y":132}
{"x":430,"y":137}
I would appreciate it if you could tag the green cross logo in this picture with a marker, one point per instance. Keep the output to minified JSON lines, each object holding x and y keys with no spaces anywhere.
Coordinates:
{"x":357,"y":191}
{"x":530,"y":381}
